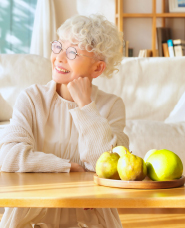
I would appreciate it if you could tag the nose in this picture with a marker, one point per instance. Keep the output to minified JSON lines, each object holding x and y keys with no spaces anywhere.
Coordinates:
{"x":61,"y":57}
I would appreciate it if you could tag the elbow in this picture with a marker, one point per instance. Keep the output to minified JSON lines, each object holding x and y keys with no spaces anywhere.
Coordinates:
{"x":89,"y":165}
{"x":8,"y":169}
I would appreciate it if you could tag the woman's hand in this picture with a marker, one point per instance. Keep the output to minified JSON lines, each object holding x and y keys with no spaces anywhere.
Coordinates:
{"x":80,"y":90}
{"x":75,"y":167}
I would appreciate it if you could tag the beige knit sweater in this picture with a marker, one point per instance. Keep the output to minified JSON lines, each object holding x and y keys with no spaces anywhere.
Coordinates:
{"x":47,"y":132}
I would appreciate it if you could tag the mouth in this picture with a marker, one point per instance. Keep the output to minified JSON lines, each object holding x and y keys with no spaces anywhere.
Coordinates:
{"x":61,"y":70}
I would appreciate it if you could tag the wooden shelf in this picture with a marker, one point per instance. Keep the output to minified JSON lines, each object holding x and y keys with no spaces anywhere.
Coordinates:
{"x":168,"y":15}
{"x":120,"y":16}
{"x":150,"y":15}
{"x":137,"y":15}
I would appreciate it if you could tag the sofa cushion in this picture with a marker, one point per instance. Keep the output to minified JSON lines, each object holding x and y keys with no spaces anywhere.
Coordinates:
{"x":149,"y":87}
{"x":178,"y":113}
{"x":6,"y":109}
{"x":3,"y":124}
{"x":17,"y":72}
{"x":145,"y":135}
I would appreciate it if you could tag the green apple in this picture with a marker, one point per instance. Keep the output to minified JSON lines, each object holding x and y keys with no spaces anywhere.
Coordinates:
{"x":106,"y":165}
{"x":164,"y":165}
{"x":121,"y":150}
{"x":147,"y":155}
{"x":131,"y":168}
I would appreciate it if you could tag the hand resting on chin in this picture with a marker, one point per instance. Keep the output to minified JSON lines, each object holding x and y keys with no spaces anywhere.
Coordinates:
{"x":80,"y":90}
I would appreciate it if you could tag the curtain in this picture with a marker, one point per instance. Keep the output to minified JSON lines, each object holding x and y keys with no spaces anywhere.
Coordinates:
{"x":44,"y":28}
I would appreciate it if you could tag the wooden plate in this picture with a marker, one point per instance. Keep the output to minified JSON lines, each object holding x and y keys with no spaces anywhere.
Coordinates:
{"x":145,"y":184}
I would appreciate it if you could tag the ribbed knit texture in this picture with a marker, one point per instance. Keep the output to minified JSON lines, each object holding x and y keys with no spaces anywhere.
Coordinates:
{"x":47,"y":132}
{"x":46,"y":129}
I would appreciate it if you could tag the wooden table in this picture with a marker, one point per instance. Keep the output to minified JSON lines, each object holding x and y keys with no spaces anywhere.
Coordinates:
{"x":78,"y":190}
{"x":137,"y":208}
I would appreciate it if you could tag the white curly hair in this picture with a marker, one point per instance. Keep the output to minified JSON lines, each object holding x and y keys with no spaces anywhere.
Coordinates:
{"x":94,"y":34}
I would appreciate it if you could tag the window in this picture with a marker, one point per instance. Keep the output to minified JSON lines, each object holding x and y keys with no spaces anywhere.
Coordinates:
{"x":16,"y":24}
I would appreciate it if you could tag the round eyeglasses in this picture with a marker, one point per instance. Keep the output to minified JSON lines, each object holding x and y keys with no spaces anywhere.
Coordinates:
{"x":71,"y":52}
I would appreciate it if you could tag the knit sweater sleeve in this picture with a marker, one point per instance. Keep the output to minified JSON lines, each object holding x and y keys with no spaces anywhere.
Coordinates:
{"x":98,"y":133}
{"x":17,"y":144}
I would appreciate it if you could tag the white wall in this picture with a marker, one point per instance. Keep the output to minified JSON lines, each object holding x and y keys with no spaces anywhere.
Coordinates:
{"x":67,"y":8}
{"x":137,"y":31}
{"x":64,"y":9}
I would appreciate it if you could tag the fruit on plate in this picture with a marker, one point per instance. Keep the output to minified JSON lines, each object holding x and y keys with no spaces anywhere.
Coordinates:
{"x":120,"y":150}
{"x":131,"y":167}
{"x":147,"y":155}
{"x":164,"y":165}
{"x":106,"y":165}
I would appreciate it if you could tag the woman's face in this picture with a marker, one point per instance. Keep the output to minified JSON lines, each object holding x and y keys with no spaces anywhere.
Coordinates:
{"x":66,"y":70}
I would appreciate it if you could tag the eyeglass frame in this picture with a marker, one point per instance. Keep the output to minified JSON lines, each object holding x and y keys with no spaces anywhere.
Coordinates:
{"x":76,"y":53}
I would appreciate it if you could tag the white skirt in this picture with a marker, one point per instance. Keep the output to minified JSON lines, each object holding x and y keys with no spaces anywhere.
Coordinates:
{"x":60,"y":218}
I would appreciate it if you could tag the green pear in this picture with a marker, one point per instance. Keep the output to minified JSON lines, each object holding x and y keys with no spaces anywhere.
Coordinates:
{"x":131,"y":167}
{"x":106,"y":165}
{"x":120,"y":150}
{"x":164,"y":165}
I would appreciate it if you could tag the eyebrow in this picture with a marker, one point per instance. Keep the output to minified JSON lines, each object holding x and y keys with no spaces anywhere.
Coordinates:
{"x":70,"y":43}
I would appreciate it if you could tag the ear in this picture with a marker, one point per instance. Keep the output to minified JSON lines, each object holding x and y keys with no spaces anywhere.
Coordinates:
{"x":98,"y":69}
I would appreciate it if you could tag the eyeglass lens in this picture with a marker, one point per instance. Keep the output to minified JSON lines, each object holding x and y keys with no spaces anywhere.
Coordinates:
{"x":57,"y":47}
{"x":71,"y":53}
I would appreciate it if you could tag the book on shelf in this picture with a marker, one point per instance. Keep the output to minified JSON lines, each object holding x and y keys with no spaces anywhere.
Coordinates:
{"x":127,"y":51}
{"x":130,"y":52}
{"x":126,"y":48}
{"x":181,"y":3}
{"x":170,"y":48}
{"x":163,"y":34}
{"x":179,"y":47}
{"x":145,"y":53}
{"x":165,"y":50}
{"x":176,"y":6}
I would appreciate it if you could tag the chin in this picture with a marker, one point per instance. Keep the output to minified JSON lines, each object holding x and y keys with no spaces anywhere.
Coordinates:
{"x":59,"y":80}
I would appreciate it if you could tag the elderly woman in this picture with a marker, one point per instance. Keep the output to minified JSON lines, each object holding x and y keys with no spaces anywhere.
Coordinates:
{"x":65,"y":125}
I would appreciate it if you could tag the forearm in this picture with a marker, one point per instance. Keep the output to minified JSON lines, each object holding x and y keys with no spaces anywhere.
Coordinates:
{"x":91,"y":149}
{"x":18,"y":157}
{"x":96,"y":134}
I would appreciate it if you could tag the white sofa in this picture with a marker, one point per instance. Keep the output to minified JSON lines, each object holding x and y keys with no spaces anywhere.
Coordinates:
{"x":153,"y":90}
{"x":17,"y":72}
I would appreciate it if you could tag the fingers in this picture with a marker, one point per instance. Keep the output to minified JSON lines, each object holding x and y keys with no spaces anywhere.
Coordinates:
{"x":75,"y":167}
{"x":79,"y":82}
